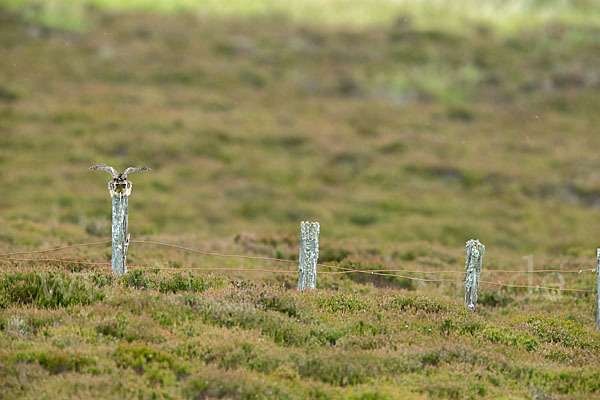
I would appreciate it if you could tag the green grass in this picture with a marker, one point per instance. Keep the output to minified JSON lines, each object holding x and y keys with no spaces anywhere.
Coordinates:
{"x":506,"y":16}
{"x":402,"y":138}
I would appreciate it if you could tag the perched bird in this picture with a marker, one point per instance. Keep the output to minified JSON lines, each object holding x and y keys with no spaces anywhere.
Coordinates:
{"x":119,"y":184}
{"x":119,"y":178}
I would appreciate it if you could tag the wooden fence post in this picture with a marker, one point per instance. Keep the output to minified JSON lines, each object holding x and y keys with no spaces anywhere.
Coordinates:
{"x":309,"y":255}
{"x":475,"y":251}
{"x":120,"y":189}
{"x":119,"y":193}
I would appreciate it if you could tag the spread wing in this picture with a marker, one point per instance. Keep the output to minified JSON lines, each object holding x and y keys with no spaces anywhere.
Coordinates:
{"x":113,"y":172}
{"x":133,"y":169}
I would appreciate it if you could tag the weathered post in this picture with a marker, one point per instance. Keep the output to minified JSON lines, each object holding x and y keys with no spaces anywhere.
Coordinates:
{"x":598,"y":294}
{"x":475,"y":251}
{"x":119,"y":193}
{"x":309,"y":255}
{"x":120,"y":189}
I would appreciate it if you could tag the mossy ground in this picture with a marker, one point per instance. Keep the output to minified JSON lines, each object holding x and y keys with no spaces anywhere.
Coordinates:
{"x":402,"y":140}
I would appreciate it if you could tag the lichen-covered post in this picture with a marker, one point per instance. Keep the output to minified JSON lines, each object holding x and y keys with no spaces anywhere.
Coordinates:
{"x":475,"y":251}
{"x":119,"y":192}
{"x":309,"y":255}
{"x":598,"y":294}
{"x":120,"y":189}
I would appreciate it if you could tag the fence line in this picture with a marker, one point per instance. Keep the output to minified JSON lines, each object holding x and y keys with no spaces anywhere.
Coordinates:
{"x":343,"y":270}
{"x":294,"y":272}
{"x":146,"y":267}
{"x":340,"y":269}
{"x":578,"y":271}
{"x":207,"y":253}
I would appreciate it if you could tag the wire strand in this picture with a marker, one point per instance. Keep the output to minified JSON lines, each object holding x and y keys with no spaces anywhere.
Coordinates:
{"x":341,"y":270}
{"x":60,"y":260}
{"x":207,"y":253}
{"x":538,"y":287}
{"x":55,"y":248}
{"x":349,"y":270}
{"x":213,"y":269}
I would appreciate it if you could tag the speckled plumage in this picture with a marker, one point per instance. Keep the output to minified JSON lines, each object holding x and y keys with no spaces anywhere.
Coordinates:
{"x":113,"y":172}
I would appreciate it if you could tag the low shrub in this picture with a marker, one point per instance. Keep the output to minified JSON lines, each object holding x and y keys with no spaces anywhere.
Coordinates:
{"x":172,"y":283}
{"x":494,"y":299}
{"x":347,"y":369}
{"x":341,"y":303}
{"x":48,"y":289}
{"x":139,"y":358}
{"x":566,"y":332}
{"x":280,"y":328}
{"x":499,"y":334}
{"x":284,"y":302}
{"x":417,"y":303}
{"x":58,"y":361}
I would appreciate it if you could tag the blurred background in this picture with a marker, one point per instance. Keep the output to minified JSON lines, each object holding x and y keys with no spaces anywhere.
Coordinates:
{"x":404,"y":127}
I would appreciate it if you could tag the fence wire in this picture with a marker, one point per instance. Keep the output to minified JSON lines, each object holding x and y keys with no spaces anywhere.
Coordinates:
{"x":338,"y":270}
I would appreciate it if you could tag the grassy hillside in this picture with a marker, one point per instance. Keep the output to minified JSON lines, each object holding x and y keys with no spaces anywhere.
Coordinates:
{"x":178,"y":336}
{"x":402,"y":136}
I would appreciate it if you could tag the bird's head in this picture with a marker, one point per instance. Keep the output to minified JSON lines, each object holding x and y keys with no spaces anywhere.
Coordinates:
{"x":119,"y":186}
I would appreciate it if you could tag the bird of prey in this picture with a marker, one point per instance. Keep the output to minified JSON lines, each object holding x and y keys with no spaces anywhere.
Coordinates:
{"x":116,"y":176}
